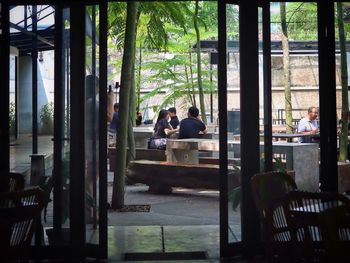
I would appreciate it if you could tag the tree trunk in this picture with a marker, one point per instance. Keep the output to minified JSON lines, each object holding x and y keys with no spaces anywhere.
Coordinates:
{"x":191,"y":72}
{"x":124,"y":102}
{"x":139,"y":79}
{"x":188,"y":86}
{"x":286,"y":69}
{"x":199,"y":65}
{"x":344,"y":84}
{"x":132,"y":117}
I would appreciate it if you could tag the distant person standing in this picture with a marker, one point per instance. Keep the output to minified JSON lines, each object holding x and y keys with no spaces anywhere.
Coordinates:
{"x":308,"y":125}
{"x":191,"y":126}
{"x":115,"y":119}
{"x":174,"y":120}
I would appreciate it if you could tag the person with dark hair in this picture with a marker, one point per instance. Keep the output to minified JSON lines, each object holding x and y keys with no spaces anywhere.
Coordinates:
{"x":138,"y":118}
{"x":114,"y":123}
{"x":192,"y":126}
{"x":162,"y":130}
{"x":174,"y":120}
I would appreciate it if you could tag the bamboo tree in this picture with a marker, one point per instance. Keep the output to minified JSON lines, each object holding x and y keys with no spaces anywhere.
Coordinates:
{"x":126,"y":84}
{"x":188,"y":86}
{"x":138,"y":86}
{"x":344,"y":83}
{"x":199,"y":65}
{"x":191,"y":73}
{"x":286,"y":69}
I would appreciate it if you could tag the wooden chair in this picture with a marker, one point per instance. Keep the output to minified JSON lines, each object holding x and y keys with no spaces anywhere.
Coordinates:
{"x":335,"y":229}
{"x":19,"y":212}
{"x":268,"y":188}
{"x":10,"y":182}
{"x":296,"y":222}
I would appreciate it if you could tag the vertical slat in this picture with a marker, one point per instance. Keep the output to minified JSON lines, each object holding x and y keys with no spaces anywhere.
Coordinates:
{"x":222,"y":100}
{"x":4,"y":90}
{"x":249,"y":101}
{"x":34,"y":82}
{"x":77,"y":132}
{"x":103,"y":130}
{"x":58,"y":120}
{"x":327,"y":84}
{"x":267,"y":86}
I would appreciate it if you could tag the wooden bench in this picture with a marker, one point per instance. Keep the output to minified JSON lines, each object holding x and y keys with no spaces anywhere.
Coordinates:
{"x":141,"y":154}
{"x":162,"y":176}
{"x":159,"y":155}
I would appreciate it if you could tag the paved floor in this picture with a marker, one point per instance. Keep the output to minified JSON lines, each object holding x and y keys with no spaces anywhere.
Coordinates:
{"x":185,"y":221}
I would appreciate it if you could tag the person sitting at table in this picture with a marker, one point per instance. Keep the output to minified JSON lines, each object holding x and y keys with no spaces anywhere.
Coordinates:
{"x":162,"y":130}
{"x":174,"y":120}
{"x":191,"y":126}
{"x":308,"y":125}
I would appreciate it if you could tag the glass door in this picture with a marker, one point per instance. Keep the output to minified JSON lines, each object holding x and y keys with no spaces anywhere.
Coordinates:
{"x":80,"y":194}
{"x":238,"y":80}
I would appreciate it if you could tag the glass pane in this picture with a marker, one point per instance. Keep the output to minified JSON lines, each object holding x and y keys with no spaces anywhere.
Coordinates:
{"x":92,"y":123}
{"x":66,"y":117}
{"x":342,"y":25}
{"x":233,"y":122}
{"x":20,"y":99}
{"x":13,"y":83}
{"x":261,"y":85}
{"x":294,"y":90}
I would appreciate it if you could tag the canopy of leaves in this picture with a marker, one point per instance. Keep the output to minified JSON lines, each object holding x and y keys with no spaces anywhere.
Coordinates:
{"x":301,"y":21}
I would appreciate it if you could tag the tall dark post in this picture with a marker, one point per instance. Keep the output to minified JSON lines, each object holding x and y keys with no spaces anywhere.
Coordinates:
{"x":77,"y":131}
{"x":58,"y":120}
{"x":34,"y":82}
{"x":250,"y":145}
{"x":267,"y":86}
{"x":327,"y":80}
{"x":94,"y":120}
{"x":103,"y":130}
{"x":4,"y":90}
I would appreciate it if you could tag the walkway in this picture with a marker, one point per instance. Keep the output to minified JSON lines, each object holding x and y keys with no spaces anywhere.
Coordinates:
{"x":185,"y":221}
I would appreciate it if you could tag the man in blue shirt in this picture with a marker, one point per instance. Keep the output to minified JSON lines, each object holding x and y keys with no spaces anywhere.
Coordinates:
{"x":308,"y":125}
{"x":191,"y":126}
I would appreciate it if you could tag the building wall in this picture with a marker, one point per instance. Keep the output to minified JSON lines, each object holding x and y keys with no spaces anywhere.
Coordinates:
{"x":45,"y":88}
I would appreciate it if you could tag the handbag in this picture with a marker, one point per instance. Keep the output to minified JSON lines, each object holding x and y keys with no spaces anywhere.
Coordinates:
{"x":157,"y":143}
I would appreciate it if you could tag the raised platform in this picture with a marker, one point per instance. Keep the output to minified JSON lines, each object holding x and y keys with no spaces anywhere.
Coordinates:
{"x":161,"y":176}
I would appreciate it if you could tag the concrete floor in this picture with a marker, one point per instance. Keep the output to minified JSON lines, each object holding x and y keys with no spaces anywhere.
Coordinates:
{"x":185,"y":221}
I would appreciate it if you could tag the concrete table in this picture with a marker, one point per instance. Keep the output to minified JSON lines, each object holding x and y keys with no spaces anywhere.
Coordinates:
{"x":303,"y":158}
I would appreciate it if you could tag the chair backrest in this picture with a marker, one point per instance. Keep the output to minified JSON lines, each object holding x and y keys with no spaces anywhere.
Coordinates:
{"x":302,"y":212}
{"x":270,"y":186}
{"x":335,"y":230}
{"x":19,"y":212}
{"x":10,"y":182}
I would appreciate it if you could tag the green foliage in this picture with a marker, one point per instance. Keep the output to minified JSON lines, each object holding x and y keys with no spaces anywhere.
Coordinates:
{"x":170,"y":76}
{"x":234,"y":195}
{"x":301,"y":20}
{"x":46,"y":118}
{"x":12,"y":118}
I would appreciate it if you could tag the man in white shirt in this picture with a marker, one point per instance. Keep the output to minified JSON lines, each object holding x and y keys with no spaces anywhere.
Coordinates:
{"x":308,"y":125}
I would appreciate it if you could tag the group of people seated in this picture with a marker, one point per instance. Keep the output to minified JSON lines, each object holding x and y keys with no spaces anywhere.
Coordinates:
{"x":168,"y":125}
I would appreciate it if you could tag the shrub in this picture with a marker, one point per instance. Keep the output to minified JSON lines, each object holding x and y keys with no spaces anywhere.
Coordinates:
{"x":46,"y":118}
